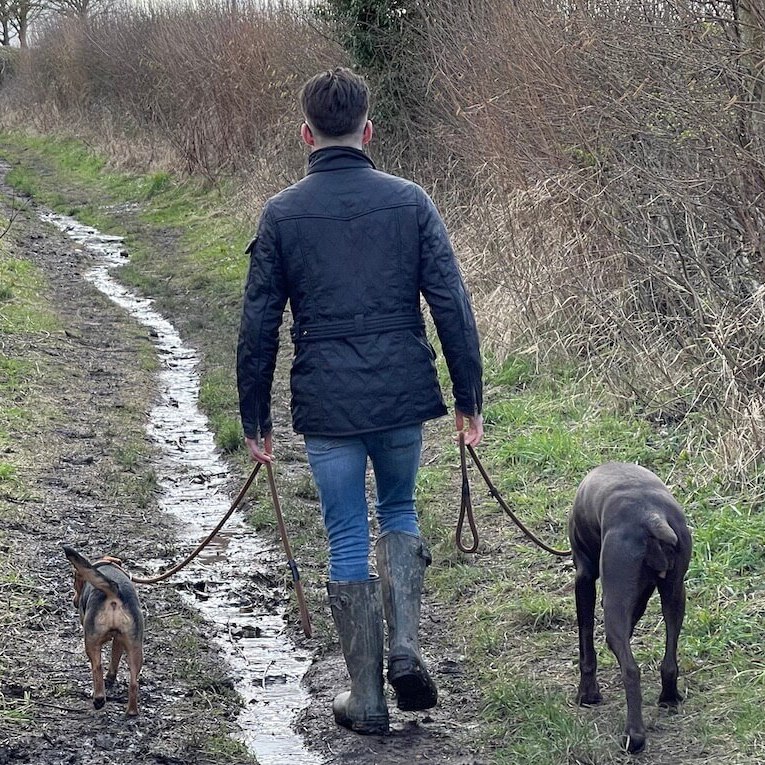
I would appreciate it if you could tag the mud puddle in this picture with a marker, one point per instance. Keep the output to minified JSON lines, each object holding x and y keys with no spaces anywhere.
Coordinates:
{"x":192,"y":480}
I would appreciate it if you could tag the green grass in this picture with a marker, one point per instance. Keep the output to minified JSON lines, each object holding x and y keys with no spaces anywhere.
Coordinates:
{"x":215,"y":401}
{"x":22,"y":301}
{"x":536,"y":724}
{"x":14,"y":374}
{"x":25,"y":313}
{"x":223,"y":746}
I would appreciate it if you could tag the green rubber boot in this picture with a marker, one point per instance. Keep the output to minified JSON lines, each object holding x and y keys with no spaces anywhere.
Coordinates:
{"x":401,"y":562}
{"x":357,"y":613}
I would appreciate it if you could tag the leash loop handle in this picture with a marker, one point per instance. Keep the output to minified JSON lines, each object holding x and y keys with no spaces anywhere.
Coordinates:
{"x":466,"y":507}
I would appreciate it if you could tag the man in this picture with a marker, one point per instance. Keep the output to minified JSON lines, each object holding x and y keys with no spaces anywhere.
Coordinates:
{"x":352,"y":249}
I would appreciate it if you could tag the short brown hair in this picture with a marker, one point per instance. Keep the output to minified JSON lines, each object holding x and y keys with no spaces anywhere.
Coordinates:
{"x":335,"y":102}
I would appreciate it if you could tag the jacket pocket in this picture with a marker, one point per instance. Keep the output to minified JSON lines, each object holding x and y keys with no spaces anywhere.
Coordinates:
{"x":424,"y":343}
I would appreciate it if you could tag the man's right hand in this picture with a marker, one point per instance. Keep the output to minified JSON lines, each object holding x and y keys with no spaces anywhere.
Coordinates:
{"x":257,"y":452}
{"x":474,"y":432}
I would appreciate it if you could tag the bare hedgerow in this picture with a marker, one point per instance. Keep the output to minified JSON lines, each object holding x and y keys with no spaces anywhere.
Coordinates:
{"x":601,"y":164}
{"x":612,"y":197}
{"x":217,"y":81}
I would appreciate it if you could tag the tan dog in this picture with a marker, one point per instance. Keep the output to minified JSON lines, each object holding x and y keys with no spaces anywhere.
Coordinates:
{"x":109,"y":610}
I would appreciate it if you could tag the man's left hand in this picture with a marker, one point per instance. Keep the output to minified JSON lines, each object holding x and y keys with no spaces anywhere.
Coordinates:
{"x":474,"y":432}
{"x":257,"y":452}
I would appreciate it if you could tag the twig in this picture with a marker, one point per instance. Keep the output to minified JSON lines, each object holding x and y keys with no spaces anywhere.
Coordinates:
{"x":40,"y":703}
{"x":15,"y":211}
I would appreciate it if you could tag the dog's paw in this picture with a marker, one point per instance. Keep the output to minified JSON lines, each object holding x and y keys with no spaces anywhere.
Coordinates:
{"x":588,"y":693}
{"x":634,"y":743}
{"x":589,"y":697}
{"x":670,"y":702}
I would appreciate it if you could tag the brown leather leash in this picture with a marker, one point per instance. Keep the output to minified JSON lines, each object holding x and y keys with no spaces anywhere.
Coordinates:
{"x":466,"y":507}
{"x":304,"y":617}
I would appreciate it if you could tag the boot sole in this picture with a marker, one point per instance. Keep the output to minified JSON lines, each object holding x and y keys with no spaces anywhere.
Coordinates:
{"x":365,"y":727}
{"x":415,"y":691}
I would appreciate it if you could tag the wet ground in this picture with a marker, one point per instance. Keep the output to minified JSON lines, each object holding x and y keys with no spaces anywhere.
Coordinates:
{"x":90,"y":400}
{"x":193,"y":481}
{"x":223,"y":665}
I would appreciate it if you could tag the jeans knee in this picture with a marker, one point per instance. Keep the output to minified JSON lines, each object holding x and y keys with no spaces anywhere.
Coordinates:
{"x":403,"y":520}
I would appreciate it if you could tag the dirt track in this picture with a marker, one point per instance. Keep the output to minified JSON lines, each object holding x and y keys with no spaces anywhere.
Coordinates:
{"x":94,"y":389}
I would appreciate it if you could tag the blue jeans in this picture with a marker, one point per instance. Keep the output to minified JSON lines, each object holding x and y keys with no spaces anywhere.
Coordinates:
{"x":339,"y":465}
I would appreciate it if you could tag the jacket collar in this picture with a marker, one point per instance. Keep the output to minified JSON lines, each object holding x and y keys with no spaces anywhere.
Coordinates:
{"x":337,"y":158}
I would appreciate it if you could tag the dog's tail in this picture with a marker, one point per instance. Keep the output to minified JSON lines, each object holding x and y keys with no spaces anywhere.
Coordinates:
{"x":85,"y":570}
{"x":660,"y":529}
{"x":661,"y":543}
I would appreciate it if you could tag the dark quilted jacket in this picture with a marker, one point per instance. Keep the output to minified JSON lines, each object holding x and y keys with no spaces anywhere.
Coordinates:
{"x":352,"y":249}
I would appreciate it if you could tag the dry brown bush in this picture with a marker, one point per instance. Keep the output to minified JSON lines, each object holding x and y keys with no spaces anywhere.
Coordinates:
{"x":217,"y":81}
{"x":600,"y":164}
{"x":615,"y":209}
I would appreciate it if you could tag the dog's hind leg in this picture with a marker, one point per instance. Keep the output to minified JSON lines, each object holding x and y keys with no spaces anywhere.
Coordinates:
{"x":135,"y":662}
{"x":622,"y":600}
{"x":617,"y":637}
{"x":673,"y":607}
{"x":93,"y":650}
{"x":588,"y":692}
{"x":114,"y":662}
{"x":641,"y":602}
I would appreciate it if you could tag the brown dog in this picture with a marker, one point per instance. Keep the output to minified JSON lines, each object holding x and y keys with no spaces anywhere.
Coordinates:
{"x":626,"y":528}
{"x":109,"y":610}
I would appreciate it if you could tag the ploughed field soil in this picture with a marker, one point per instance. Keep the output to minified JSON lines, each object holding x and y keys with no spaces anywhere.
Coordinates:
{"x":85,"y":478}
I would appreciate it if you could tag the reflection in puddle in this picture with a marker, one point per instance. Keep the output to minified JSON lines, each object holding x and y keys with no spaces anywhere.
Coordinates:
{"x":192,"y":479}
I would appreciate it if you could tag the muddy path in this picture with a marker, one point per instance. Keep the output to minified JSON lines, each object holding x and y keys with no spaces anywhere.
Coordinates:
{"x":91,"y":463}
{"x":87,"y":469}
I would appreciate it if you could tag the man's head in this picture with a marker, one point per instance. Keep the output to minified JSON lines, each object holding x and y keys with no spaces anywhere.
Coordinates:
{"x":335,"y":105}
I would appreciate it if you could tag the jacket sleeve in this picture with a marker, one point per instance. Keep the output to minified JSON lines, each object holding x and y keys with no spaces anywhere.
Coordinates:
{"x":442,"y":286}
{"x":265,"y":297}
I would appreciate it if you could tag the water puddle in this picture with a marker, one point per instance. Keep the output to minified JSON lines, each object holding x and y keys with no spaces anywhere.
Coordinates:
{"x":193,"y":478}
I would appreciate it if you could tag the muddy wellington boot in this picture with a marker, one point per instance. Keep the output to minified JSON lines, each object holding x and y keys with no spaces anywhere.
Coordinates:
{"x":357,"y":613}
{"x":401,"y":562}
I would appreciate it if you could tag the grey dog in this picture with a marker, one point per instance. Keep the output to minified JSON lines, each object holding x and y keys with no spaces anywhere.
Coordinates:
{"x":626,"y":527}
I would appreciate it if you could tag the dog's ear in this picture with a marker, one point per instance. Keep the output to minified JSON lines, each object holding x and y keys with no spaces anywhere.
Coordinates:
{"x":77,"y":560}
{"x":658,"y":556}
{"x":85,"y":571}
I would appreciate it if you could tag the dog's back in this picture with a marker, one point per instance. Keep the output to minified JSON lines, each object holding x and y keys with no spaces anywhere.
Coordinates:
{"x":622,"y":498}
